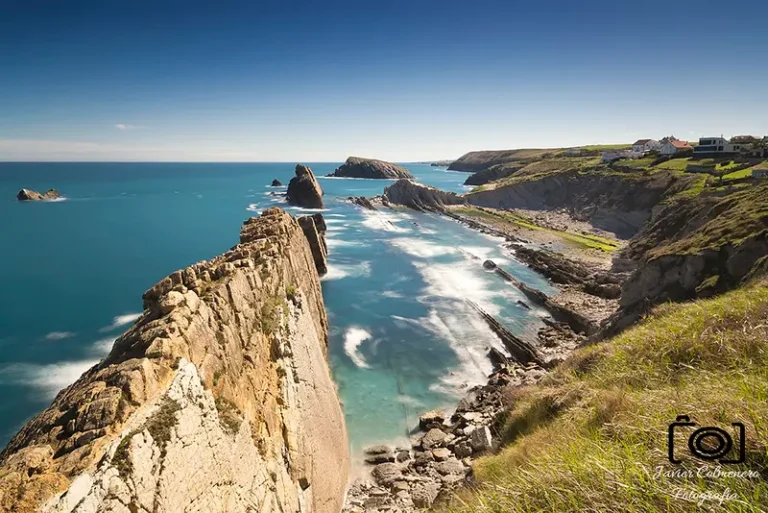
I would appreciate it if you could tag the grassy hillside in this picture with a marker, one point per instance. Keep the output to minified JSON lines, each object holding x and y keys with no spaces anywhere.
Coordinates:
{"x":593,"y":435}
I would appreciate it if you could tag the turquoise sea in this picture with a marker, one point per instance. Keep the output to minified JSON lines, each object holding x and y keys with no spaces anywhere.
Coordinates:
{"x":403,"y":339}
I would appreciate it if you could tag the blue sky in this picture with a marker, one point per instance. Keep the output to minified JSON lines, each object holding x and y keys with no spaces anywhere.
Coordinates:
{"x":290,"y":81}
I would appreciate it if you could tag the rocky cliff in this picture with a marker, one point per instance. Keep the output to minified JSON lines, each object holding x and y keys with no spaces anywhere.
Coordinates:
{"x":419,"y":196}
{"x":496,"y":172}
{"x":475,"y":161}
{"x":219,"y":398}
{"x":695,"y":247}
{"x":615,"y":202}
{"x":356,"y":167}
{"x":303,"y":189}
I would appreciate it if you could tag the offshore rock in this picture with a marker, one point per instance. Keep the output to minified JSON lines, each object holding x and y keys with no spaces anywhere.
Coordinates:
{"x":356,"y":167}
{"x":276,"y":183}
{"x":219,"y":398}
{"x":303,"y":189}
{"x":30,"y":195}
{"x":419,"y":196}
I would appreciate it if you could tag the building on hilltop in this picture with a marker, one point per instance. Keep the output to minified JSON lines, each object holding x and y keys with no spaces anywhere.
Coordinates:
{"x":645,"y":145}
{"x":713,"y":147}
{"x":673,"y":147}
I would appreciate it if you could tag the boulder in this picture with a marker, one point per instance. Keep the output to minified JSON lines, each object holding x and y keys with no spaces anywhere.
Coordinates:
{"x":303,"y":189}
{"x":402,"y":455}
{"x":356,"y":167}
{"x":423,"y":495}
{"x":433,"y":438}
{"x":431,"y":419}
{"x":450,"y":466}
{"x":462,"y":450}
{"x":480,"y":439}
{"x":276,"y":183}
{"x":385,"y":474}
{"x":441,"y":454}
{"x":30,"y":195}
{"x":379,"y":454}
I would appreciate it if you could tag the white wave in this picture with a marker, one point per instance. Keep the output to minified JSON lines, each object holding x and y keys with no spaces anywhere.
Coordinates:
{"x":338,"y":243}
{"x":55,"y":200}
{"x":352,"y":340}
{"x":421,"y":248}
{"x":384,"y":221}
{"x":336,"y":215}
{"x":304,"y":209}
{"x":335,"y":221}
{"x":104,"y":346}
{"x":409,"y":401}
{"x":332,"y":229}
{"x":49,"y":379}
{"x":121,"y":320}
{"x":355,"y":178}
{"x":339,"y":271}
{"x":59,"y":335}
{"x":253,"y":207}
{"x":391,"y":294}
{"x":199,"y":195}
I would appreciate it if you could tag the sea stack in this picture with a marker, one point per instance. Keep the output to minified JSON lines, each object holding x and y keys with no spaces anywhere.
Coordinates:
{"x":303,"y":189}
{"x":356,"y":167}
{"x":30,"y":195}
{"x":219,"y":398}
{"x":276,"y":183}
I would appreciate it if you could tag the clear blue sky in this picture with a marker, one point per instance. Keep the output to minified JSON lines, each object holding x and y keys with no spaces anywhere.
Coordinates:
{"x":318,"y":81}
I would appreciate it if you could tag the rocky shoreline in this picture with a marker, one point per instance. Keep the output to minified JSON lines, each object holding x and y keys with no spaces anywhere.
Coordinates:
{"x":439,"y":460}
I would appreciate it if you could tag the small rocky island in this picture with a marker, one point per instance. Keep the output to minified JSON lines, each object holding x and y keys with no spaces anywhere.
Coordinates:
{"x":356,"y":167}
{"x":30,"y":195}
{"x":303,"y":189}
{"x":276,"y":183}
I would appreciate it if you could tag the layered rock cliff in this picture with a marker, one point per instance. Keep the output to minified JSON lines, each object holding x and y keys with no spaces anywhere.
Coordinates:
{"x":419,"y":196}
{"x":613,"y":202}
{"x":219,"y":398}
{"x":356,"y":167}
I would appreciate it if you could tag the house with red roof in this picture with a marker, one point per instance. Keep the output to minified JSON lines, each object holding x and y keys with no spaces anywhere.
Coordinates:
{"x":673,"y":146}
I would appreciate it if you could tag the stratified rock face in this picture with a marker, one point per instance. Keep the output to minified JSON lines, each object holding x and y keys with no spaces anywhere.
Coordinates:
{"x":219,"y":398}
{"x":492,"y":173}
{"x":303,"y":189}
{"x":314,"y":229}
{"x":419,"y":196}
{"x":356,"y":167}
{"x":30,"y":195}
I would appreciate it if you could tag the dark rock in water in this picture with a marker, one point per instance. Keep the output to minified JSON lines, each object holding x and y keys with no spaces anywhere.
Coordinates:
{"x":356,"y":167}
{"x":489,"y":264}
{"x":523,"y":304}
{"x":314,"y":229}
{"x":379,"y":454}
{"x":303,"y":189}
{"x":497,"y":358}
{"x":276,"y":183}
{"x":30,"y":195}
{"x":431,"y":419}
{"x":362,"y":201}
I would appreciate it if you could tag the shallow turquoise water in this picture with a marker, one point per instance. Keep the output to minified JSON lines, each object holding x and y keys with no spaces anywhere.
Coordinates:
{"x":403,"y":339}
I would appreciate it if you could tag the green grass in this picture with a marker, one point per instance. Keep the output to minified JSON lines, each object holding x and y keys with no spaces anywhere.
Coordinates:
{"x":593,"y":435}
{"x":675,"y":164}
{"x":578,"y":239}
{"x":605,"y":147}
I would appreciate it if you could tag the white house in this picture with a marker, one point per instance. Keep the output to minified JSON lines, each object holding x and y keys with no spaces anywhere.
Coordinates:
{"x":672,"y":147}
{"x":713,"y":147}
{"x":645,"y":145}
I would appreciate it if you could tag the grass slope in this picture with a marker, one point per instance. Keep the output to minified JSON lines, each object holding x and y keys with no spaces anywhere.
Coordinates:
{"x":592,"y":436}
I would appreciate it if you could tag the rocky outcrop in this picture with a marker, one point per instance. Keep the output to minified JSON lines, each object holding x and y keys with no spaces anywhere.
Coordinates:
{"x":356,"y":167}
{"x":30,"y":195}
{"x":617,"y":203}
{"x":219,"y":398}
{"x":694,"y":247}
{"x":419,"y":196}
{"x":491,"y":174}
{"x":303,"y":189}
{"x":276,"y":183}
{"x":475,"y":161}
{"x":314,"y":229}
{"x":362,"y":201}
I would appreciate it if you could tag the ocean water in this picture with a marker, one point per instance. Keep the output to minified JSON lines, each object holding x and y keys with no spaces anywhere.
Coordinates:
{"x":403,"y":338}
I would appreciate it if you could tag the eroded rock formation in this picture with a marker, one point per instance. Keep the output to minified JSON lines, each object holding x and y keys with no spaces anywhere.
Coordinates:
{"x":356,"y":167}
{"x":30,"y":195}
{"x":219,"y":398}
{"x":276,"y":183}
{"x":303,"y":189}
{"x":419,"y":196}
